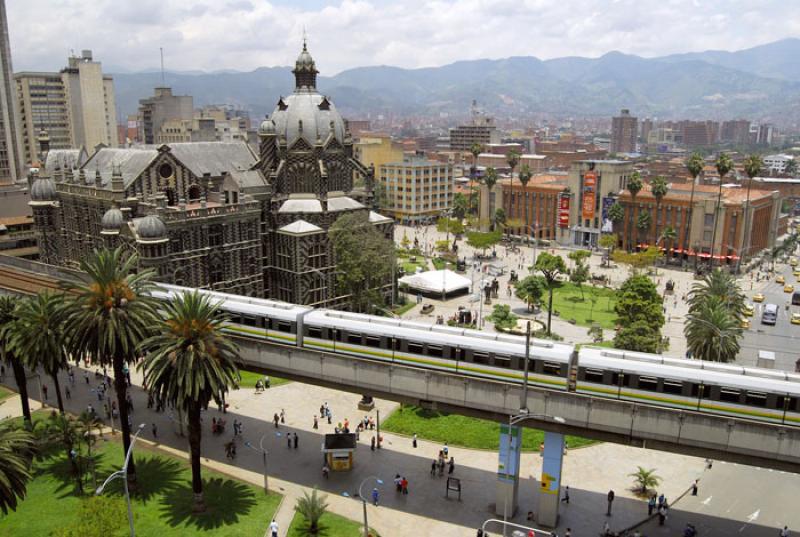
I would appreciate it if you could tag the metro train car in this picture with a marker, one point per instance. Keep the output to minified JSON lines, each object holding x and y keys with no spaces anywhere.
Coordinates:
{"x":751,"y":393}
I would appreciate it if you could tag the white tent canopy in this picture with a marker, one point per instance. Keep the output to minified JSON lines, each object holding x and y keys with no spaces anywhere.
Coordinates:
{"x":436,"y":281}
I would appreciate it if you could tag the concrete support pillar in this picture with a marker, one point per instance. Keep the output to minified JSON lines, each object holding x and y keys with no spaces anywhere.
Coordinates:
{"x":550,"y":490}
{"x":508,"y":470}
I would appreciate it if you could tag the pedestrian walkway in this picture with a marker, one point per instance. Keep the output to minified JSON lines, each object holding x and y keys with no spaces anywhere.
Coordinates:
{"x":590,"y":472}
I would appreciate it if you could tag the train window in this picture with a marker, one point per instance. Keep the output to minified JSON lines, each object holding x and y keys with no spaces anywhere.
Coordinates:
{"x":731,"y":395}
{"x":648,"y":383}
{"x":248,"y":320}
{"x":791,"y":403}
{"x":696,"y":390}
{"x":354,"y":339}
{"x":415,"y":348}
{"x":756,"y":399}
{"x":435,"y":350}
{"x":551,"y":368}
{"x":396,"y":344}
{"x":615,"y":379}
{"x":480,"y":357}
{"x":502,"y":361}
{"x":593,"y":375}
{"x":284,"y":326}
{"x":531,"y":365}
{"x":673,"y":386}
{"x":373,"y":341}
{"x":314,"y":332}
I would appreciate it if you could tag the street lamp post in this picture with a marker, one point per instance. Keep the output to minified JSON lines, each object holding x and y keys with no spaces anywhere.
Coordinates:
{"x":123,"y":473}
{"x":379,"y":481}
{"x":513,"y":420}
{"x":264,"y":454}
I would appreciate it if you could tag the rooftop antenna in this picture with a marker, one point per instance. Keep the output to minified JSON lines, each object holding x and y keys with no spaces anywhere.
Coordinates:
{"x":161,"y":49}
{"x":305,"y":37}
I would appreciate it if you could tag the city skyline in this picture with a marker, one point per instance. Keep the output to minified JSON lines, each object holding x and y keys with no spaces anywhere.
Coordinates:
{"x":247,"y":34}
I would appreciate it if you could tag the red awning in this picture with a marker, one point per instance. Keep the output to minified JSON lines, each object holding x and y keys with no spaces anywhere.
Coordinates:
{"x":678,"y":250}
{"x":704,"y":254}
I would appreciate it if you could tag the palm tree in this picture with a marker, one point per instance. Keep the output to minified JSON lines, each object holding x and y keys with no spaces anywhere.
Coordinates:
{"x":39,"y":338}
{"x":8,"y":316}
{"x":490,"y":180}
{"x":476,"y":149}
{"x":87,"y":425}
{"x":659,"y":189}
{"x":643,"y":221}
{"x":695,"y":166}
{"x":16,"y":453}
{"x":634,"y":186}
{"x":712,"y":331}
{"x":668,"y":236}
{"x":791,"y":167}
{"x":312,"y":507}
{"x":645,"y":479}
{"x":108,"y":317}
{"x":724,"y":165}
{"x":752,"y":167}
{"x":716,"y":285}
{"x":616,"y":213}
{"x":525,"y":175}
{"x":189,"y":362}
{"x":62,"y":430}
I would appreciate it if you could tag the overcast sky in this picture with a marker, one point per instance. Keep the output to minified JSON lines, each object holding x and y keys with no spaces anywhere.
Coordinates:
{"x":244,"y":34}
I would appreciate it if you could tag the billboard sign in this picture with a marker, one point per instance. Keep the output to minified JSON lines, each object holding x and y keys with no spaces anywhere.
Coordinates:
{"x":589,"y":194}
{"x":563,"y":210}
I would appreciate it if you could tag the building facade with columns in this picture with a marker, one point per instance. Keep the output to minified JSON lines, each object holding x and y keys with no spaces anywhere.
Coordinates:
{"x":216,"y":215}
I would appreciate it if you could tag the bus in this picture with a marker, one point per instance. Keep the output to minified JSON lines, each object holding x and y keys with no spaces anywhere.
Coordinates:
{"x":770,"y":315}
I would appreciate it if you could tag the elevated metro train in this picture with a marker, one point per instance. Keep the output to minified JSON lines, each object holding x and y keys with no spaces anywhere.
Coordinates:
{"x":752,"y":393}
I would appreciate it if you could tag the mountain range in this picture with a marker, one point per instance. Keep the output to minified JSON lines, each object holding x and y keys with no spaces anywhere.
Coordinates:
{"x":757,"y":83}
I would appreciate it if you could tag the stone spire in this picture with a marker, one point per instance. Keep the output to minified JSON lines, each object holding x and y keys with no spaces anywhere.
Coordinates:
{"x":305,"y":72}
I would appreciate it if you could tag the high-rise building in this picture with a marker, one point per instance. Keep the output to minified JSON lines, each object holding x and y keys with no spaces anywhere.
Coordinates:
{"x":10,"y":154}
{"x":623,"y":132}
{"x":92,"y":105}
{"x":163,"y":106}
{"x":481,"y":131}
{"x":71,"y":109}
{"x":735,"y":131}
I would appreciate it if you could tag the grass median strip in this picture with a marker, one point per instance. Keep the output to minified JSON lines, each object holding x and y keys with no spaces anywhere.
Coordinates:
{"x":462,"y":431}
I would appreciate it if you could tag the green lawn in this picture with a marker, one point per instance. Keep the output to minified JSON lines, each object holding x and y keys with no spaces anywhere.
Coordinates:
{"x":330,"y":525}
{"x":162,"y":507}
{"x":459,"y":430}
{"x":567,"y":301}
{"x":411,"y":268}
{"x":410,"y":303}
{"x":5,"y":392}
{"x":249,"y":379}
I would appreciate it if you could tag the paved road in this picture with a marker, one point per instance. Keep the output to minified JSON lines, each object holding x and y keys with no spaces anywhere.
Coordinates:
{"x":784,"y":337}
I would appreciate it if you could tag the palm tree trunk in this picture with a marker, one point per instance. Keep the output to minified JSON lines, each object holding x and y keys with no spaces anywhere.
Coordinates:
{"x":58,"y":392}
{"x":631,"y":222}
{"x":716,"y":224}
{"x":746,"y":225}
{"x":195,"y":437}
{"x":549,"y":310}
{"x":22,"y":386}
{"x":689,"y":223}
{"x":121,"y":387}
{"x":655,"y":225}
{"x":527,"y":224}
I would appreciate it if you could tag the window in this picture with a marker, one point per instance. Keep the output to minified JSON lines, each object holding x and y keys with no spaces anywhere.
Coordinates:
{"x":756,"y":399}
{"x":709,"y":220}
{"x":480,"y":357}
{"x":648,"y":383}
{"x":434,"y":350}
{"x":502,"y":361}
{"x":248,"y":320}
{"x":673,"y":386}
{"x":373,"y":341}
{"x":314,"y":332}
{"x":707,"y":235}
{"x":593,"y":375}
{"x":354,"y":339}
{"x":730,"y":395}
{"x":551,"y":368}
{"x":415,"y":348}
{"x":284,"y":326}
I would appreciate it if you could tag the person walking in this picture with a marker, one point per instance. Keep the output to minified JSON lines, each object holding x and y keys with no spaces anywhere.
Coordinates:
{"x":404,"y":485}
{"x":610,"y":498}
{"x":283,"y":416}
{"x":785,"y":532}
{"x":316,"y":422}
{"x":433,"y":467}
{"x":651,"y":505}
{"x":694,"y":487}
{"x":295,"y":440}
{"x":375,"y":497}
{"x":662,"y":515}
{"x":414,"y":441}
{"x":451,"y":466}
{"x":67,"y":392}
{"x":155,"y":430}
{"x":273,"y":528}
{"x":44,"y":391}
{"x":565,"y":499}
{"x":275,"y":419}
{"x":372,"y":444}
{"x":289,"y":440}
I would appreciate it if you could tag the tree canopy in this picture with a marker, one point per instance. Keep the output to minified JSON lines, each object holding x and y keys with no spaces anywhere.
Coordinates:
{"x":483,"y":240}
{"x":531,"y":289}
{"x":364,"y":260}
{"x":639,"y":314}
{"x":502,"y":317}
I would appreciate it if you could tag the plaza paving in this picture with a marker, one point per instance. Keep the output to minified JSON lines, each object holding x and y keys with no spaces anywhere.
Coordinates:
{"x":590,"y":472}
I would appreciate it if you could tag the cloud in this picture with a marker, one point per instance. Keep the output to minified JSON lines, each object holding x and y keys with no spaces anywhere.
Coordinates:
{"x":245,"y":34}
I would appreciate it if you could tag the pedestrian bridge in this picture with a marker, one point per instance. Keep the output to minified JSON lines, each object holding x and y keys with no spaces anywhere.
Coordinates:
{"x":681,"y":431}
